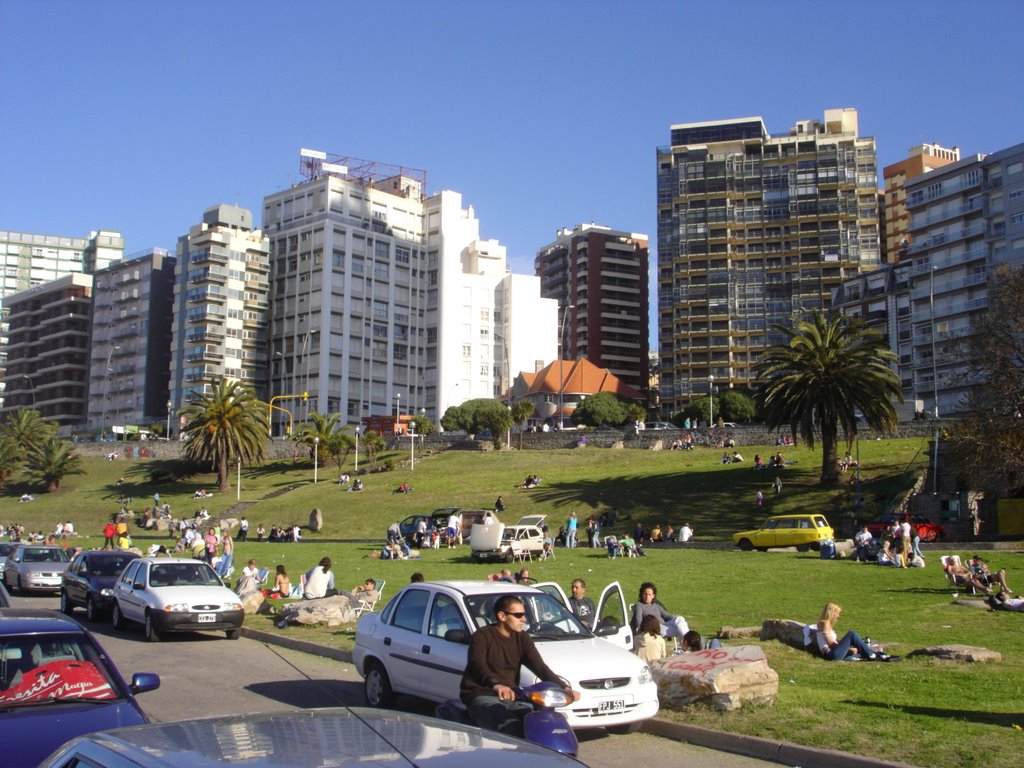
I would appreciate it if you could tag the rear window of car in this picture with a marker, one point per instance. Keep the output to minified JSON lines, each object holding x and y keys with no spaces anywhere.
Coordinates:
{"x":44,"y":555}
{"x":106,"y":566}
{"x":182,"y":574}
{"x":38,"y":669}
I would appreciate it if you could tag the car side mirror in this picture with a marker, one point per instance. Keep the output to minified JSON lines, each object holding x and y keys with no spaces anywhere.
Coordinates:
{"x":606,"y":627}
{"x":139,"y":585}
{"x":145,"y":681}
{"x":457,"y":636}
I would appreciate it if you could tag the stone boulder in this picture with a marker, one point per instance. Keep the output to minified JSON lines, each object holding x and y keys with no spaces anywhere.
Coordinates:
{"x":332,"y":611}
{"x":316,"y":520}
{"x":967,"y":602}
{"x":795,"y":634}
{"x":954,"y":652}
{"x":252,"y":602}
{"x":722,"y":678}
{"x":162,"y":524}
{"x":735,"y":633}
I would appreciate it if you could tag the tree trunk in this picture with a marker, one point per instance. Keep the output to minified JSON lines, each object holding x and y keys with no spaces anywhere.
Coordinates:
{"x":829,"y":455}
{"x":223,"y":483}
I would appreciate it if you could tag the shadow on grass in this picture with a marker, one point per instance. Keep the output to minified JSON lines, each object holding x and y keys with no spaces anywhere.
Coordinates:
{"x":1001,"y":719}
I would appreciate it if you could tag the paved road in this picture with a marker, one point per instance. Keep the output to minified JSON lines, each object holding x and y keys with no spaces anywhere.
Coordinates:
{"x":203,"y":675}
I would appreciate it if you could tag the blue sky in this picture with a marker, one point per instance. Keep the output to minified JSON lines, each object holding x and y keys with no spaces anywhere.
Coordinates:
{"x":137,"y":116}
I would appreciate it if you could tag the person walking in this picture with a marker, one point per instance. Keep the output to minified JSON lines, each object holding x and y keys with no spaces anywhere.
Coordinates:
{"x":570,"y":531}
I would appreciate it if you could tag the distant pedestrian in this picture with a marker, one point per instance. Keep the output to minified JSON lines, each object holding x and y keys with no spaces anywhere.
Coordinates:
{"x":759,"y":498}
{"x":778,"y":484}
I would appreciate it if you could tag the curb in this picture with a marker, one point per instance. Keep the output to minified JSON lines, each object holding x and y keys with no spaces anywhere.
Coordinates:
{"x":749,"y":746}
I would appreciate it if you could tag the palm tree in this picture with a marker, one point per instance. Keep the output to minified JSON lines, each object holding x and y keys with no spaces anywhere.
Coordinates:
{"x":831,"y":368}
{"x":50,"y":461}
{"x":10,"y":458}
{"x":27,"y":428}
{"x":322,"y":428}
{"x":224,"y":426}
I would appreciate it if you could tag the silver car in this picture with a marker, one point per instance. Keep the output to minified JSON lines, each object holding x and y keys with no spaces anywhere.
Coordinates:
{"x":36,"y":568}
{"x":333,"y":737}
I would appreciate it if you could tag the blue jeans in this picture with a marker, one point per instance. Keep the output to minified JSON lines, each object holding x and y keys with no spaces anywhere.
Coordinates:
{"x":492,"y":713}
{"x":840,"y":650}
{"x":224,"y":566}
{"x":570,"y":538}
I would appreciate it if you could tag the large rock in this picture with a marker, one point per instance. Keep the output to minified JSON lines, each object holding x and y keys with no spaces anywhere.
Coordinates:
{"x":332,"y":611}
{"x":954,"y":652}
{"x":735,"y":633}
{"x":792,"y":633}
{"x":723,"y":678}
{"x":162,"y":524}
{"x":251,"y":603}
{"x":316,"y":520}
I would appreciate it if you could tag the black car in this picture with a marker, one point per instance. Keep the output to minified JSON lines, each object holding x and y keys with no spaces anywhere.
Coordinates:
{"x":89,"y":581}
{"x":438,"y":519}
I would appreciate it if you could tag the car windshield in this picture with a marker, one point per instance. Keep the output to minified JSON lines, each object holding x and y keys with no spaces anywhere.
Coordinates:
{"x":44,"y":555}
{"x":547,"y":618}
{"x":37,"y":670}
{"x":107,"y":566}
{"x":182,"y":575}
{"x":6,"y":549}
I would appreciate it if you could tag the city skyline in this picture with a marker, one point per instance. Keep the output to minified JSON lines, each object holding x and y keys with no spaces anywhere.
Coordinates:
{"x":542,"y":115}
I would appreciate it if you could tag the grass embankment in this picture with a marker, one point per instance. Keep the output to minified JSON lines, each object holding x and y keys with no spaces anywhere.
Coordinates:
{"x":919,"y":711}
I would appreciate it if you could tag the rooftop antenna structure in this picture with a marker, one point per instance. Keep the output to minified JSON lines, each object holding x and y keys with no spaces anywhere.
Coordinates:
{"x":399,"y":180}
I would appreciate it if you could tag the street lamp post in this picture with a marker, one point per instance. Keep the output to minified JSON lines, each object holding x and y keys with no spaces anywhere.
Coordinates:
{"x":561,"y":355}
{"x":357,"y":451}
{"x":106,"y":385}
{"x":412,"y":446}
{"x":398,"y":407}
{"x":711,"y":400}
{"x":167,"y":433}
{"x":316,"y":457}
{"x":508,"y":433}
{"x":31,"y":384}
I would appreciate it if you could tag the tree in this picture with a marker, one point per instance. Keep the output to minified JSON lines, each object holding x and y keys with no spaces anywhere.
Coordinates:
{"x":457,"y":419}
{"x":424,"y":425}
{"x":601,"y":408}
{"x":338,"y":446}
{"x":50,"y":461}
{"x":522,"y":410}
{"x":10,"y":458}
{"x":735,"y":406}
{"x":322,"y":428}
{"x":372,"y":444}
{"x":228,"y":424}
{"x":989,"y":442}
{"x":27,"y":428}
{"x":831,"y":368}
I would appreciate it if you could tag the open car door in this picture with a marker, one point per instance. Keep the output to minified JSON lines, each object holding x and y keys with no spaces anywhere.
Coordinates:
{"x":613,"y":617}
{"x":555,"y":591}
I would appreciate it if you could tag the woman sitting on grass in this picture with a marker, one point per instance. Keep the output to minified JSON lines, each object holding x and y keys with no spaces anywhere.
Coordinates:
{"x":282,"y":584}
{"x":852,"y":645}
{"x":650,"y":645}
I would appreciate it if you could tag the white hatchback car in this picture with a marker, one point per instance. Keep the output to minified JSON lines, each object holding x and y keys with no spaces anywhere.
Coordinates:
{"x":498,"y":541}
{"x":419,"y":644}
{"x":175,"y":595}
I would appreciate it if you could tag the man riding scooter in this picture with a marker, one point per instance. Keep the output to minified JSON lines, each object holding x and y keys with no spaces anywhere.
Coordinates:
{"x":496,"y":653}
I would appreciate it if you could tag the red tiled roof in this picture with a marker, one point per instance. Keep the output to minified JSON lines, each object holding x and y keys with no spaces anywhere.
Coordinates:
{"x":579,"y":377}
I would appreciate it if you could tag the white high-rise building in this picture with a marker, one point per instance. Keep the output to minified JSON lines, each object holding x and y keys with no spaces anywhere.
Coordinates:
{"x":384,"y":299}
{"x":221,"y":308}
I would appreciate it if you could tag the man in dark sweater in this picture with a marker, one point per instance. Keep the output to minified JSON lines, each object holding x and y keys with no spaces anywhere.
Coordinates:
{"x":496,"y":653}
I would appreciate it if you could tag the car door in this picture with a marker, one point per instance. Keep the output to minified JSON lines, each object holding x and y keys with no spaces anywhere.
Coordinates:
{"x":403,"y":640}
{"x":444,"y":660}
{"x":613,"y":617}
{"x":765,"y":537}
{"x":74,"y":583}
{"x":131,"y":583}
{"x":11,"y":569}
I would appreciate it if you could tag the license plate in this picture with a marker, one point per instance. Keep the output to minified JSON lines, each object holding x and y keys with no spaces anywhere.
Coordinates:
{"x":207,"y":618}
{"x":611,"y":705}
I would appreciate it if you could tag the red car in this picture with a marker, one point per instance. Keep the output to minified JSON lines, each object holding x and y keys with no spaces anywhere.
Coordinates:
{"x":926,"y":529}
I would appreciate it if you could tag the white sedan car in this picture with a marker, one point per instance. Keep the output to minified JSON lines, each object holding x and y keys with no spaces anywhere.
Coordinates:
{"x":175,"y":595}
{"x":419,"y":643}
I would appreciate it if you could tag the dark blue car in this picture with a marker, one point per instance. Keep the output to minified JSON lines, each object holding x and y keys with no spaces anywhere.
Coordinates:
{"x":56,"y":683}
{"x":89,"y":581}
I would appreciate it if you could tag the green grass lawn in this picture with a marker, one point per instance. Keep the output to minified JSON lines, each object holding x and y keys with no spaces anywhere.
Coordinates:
{"x":919,"y":711}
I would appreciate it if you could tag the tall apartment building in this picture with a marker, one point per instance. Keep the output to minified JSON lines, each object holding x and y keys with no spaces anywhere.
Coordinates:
{"x":130,"y":349}
{"x":386,"y":299}
{"x":602,"y":274}
{"x":221,"y":309}
{"x":752,"y":230}
{"x":966,"y":218}
{"x":919,"y":160}
{"x":48,"y":349}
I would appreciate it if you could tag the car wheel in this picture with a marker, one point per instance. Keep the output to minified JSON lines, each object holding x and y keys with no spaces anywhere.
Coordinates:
{"x":802,"y":548}
{"x":377,"y":687}
{"x":233,"y":634}
{"x":626,"y":729}
{"x":152,"y":633}
{"x":90,"y":609}
{"x":745,"y":544}
{"x":65,"y":604}
{"x":117,"y":618}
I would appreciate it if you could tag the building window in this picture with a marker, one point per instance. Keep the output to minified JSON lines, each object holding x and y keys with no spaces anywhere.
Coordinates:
{"x":467,"y":351}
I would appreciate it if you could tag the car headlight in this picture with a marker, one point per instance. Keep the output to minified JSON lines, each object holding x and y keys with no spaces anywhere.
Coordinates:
{"x":177,"y":608}
{"x":645,"y":675}
{"x":232,"y":606}
{"x":107,"y":592}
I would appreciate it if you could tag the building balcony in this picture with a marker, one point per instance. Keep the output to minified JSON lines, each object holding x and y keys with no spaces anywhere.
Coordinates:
{"x":947,"y":238}
{"x":945,"y":286}
{"x":917,"y":222}
{"x":921,"y":196}
{"x":978,"y":251}
{"x":924,"y":314}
